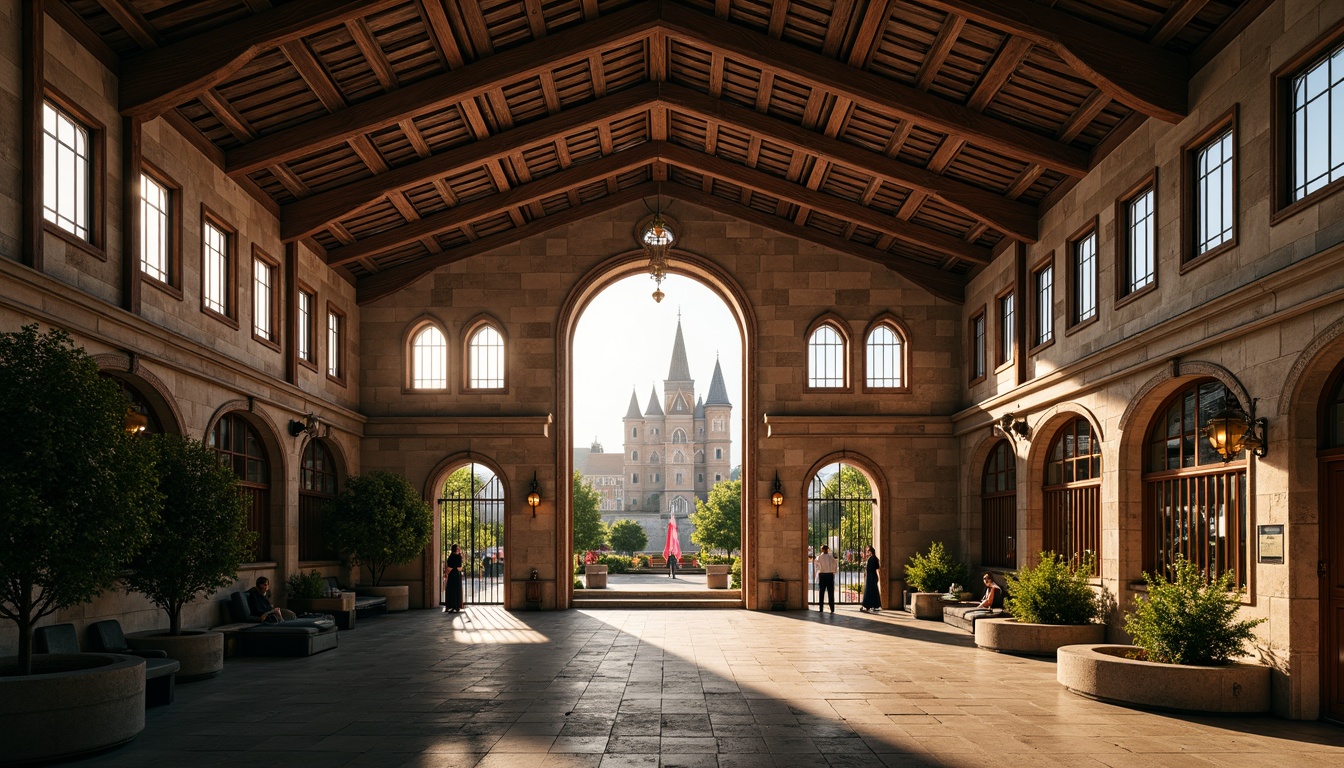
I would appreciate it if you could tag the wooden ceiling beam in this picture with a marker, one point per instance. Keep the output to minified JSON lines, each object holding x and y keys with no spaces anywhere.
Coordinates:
{"x":870,"y":32}
{"x":872,"y":90}
{"x":938,"y":282}
{"x":1180,"y":14}
{"x":942,"y":46}
{"x":391,"y":280}
{"x":472,"y":80}
{"x":1143,"y":77}
{"x":156,"y":81}
{"x":129,"y":18}
{"x":305,"y":217}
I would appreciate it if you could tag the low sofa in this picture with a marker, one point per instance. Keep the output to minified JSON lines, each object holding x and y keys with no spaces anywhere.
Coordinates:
{"x":295,"y":637}
{"x":365,"y":605}
{"x":964,"y":615}
{"x":160,"y":671}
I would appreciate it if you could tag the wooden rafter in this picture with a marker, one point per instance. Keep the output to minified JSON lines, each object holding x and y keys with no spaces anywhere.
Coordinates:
{"x":153,"y":82}
{"x":1144,"y":77}
{"x":130,"y":19}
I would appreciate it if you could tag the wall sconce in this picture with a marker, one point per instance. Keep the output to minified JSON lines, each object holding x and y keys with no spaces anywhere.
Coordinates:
{"x":308,"y":426}
{"x":777,"y":498}
{"x":136,"y":422}
{"x":1012,"y":427}
{"x":534,"y":498}
{"x":1232,"y":430}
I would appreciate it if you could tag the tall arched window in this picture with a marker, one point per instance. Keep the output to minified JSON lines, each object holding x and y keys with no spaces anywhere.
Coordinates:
{"x":884,"y":358}
{"x":1194,"y":503}
{"x":485,"y":359}
{"x":678,"y":458}
{"x":634,"y":455}
{"x":826,"y":358}
{"x":653,"y":458}
{"x":1332,"y":435}
{"x":998,"y":508}
{"x":240,"y":447}
{"x":429,"y":359}
{"x":1072,"y":492}
{"x":678,"y":436}
{"x":317,"y":485}
{"x":679,"y":507}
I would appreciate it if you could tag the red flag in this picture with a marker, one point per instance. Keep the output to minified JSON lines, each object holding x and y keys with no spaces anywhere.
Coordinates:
{"x":673,"y":546}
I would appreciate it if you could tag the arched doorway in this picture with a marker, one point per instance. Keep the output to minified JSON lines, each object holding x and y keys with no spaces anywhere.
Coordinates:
{"x":998,"y":508}
{"x":1071,"y":523}
{"x":1331,"y":456}
{"x":317,"y":485}
{"x":240,"y":447}
{"x":840,"y":506}
{"x":471,"y":515}
{"x":1194,"y":503}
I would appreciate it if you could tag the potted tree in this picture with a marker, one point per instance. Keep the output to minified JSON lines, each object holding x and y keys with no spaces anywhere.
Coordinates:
{"x":196,"y":548}
{"x":1186,"y":635}
{"x":378,"y":520}
{"x":1052,"y":605}
{"x":79,"y":502}
{"x":930,"y":576}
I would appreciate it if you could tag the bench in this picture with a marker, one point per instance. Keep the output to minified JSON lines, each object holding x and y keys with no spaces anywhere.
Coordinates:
{"x":295,"y":637}
{"x":964,"y":615}
{"x":657,"y":561}
{"x":160,"y":671}
{"x":365,"y":605}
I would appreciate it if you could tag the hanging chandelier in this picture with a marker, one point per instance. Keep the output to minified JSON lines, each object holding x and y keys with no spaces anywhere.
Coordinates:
{"x":657,"y":238}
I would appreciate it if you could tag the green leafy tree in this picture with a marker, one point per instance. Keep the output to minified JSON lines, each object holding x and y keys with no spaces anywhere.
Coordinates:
{"x":627,"y":536}
{"x":202,"y":535}
{"x":844,"y":498}
{"x":718,"y":521}
{"x":1189,"y":620}
{"x":78,"y":492}
{"x":480,"y":532}
{"x":379,"y":520}
{"x":589,"y":530}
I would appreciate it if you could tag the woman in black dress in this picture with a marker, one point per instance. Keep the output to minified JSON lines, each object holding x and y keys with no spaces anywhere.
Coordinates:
{"x":872,"y":598}
{"x":452,"y":576}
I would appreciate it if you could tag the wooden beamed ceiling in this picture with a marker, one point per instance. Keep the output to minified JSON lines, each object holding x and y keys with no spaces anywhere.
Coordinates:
{"x":396,"y":136}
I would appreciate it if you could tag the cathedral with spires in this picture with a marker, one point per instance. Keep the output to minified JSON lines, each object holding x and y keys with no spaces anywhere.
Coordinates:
{"x":676,"y":450}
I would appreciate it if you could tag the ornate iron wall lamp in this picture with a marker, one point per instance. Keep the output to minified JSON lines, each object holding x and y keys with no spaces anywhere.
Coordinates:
{"x":1232,"y":430}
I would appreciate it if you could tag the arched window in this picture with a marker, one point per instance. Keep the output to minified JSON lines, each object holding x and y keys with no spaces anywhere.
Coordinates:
{"x":998,"y":508}
{"x":485,"y":359}
{"x":826,"y":358}
{"x":1072,"y":493}
{"x":634,"y":431}
{"x":429,"y":359}
{"x":678,"y":436}
{"x":679,"y":507}
{"x":680,"y":478}
{"x":317,"y":484}
{"x":1194,"y":503}
{"x":884,"y":358}
{"x":239,"y":447}
{"x":678,"y":458}
{"x":1332,"y":435}
{"x":699,"y":457}
{"x":718,"y":454}
{"x":634,"y":478}
{"x":653,"y":458}
{"x":634,"y":455}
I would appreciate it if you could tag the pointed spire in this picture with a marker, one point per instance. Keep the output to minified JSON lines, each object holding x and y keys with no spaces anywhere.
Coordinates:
{"x":654,"y":408}
{"x":718,"y":391}
{"x":700,"y":408}
{"x":680,"y":370}
{"x":633,"y":411}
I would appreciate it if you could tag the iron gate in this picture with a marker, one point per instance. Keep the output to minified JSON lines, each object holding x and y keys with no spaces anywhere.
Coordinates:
{"x":472,"y":515}
{"x":840,"y":515}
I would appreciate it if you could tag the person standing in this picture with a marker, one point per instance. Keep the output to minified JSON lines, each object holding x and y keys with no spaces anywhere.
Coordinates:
{"x":872,"y":596}
{"x":826,"y":567}
{"x":672,"y":565}
{"x":452,"y":577}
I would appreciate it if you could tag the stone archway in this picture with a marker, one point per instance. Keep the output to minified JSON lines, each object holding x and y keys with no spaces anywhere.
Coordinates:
{"x":821,"y":491}
{"x":494,"y":503}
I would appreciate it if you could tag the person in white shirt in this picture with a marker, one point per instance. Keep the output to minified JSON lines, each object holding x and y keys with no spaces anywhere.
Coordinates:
{"x":826,"y":569}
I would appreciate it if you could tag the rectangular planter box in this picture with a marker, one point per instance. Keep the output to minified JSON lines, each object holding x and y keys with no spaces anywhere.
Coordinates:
{"x":595,"y":576}
{"x":716,"y":576}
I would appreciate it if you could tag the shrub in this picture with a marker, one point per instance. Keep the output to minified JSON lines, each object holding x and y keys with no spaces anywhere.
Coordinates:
{"x":379,"y":520}
{"x":627,"y":536}
{"x":1189,"y":620}
{"x":717,"y":559}
{"x":1053,"y":593}
{"x":934,"y":572}
{"x":641,"y":561}
{"x":578,"y":584}
{"x":736,"y":573}
{"x":615,"y":563}
{"x":305,"y":586}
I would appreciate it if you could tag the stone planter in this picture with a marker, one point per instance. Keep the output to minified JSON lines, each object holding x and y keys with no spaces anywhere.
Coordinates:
{"x":1102,"y":672}
{"x":345,"y":602}
{"x":595,"y":576}
{"x":200,"y":652}
{"x":1013,"y":636}
{"x":716,"y":576}
{"x":76,"y":703}
{"x":927,"y":605}
{"x":398,"y":596}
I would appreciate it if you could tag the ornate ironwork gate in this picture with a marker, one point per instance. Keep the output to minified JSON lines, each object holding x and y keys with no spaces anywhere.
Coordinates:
{"x":472,"y":516}
{"x":840,"y":506}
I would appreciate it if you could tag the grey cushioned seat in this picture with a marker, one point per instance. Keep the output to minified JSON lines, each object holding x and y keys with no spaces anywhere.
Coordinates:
{"x":365,"y":605}
{"x":295,"y":637}
{"x":160,"y":671}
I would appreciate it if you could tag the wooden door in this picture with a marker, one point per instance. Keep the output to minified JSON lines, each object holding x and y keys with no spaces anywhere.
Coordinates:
{"x":1332,"y":589}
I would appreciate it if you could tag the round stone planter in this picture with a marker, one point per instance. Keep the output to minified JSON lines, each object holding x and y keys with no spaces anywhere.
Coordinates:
{"x":76,"y":703}
{"x":1102,"y":672}
{"x":1013,"y":636}
{"x":200,"y":652}
{"x":595,"y":576}
{"x":927,"y":605}
{"x":716,"y":576}
{"x":398,"y":595}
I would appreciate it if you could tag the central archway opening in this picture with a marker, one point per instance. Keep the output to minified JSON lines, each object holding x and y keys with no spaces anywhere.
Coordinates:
{"x":841,"y":502}
{"x":656,"y":420}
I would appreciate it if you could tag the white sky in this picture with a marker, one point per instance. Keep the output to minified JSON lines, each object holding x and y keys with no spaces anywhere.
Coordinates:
{"x":611,"y":353}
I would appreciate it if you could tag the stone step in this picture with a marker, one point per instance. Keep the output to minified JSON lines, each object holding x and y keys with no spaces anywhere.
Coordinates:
{"x":679,"y":594}
{"x":663,"y":603}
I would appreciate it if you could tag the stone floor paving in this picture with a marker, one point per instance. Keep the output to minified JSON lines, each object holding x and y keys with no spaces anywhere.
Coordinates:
{"x":640,"y":689}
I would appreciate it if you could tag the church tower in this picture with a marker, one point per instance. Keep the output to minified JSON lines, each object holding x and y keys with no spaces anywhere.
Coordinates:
{"x":718,"y":430}
{"x":678,"y":433}
{"x":634,"y":443}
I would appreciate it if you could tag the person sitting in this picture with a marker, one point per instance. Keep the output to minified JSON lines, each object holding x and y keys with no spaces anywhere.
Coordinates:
{"x":993,"y":594}
{"x":259,"y":603}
